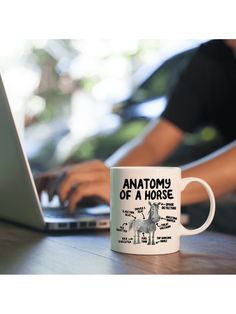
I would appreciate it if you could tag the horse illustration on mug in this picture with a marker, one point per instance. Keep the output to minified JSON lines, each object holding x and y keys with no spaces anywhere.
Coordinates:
{"x":147,"y":225}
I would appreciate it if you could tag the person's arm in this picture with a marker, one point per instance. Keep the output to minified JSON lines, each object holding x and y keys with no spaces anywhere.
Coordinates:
{"x":92,"y":178}
{"x":217,"y":169}
{"x":152,"y":148}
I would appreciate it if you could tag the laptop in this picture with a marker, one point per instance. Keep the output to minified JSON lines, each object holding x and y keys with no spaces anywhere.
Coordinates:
{"x":19,"y":201}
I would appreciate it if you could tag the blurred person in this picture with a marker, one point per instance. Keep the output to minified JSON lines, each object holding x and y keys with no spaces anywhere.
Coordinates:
{"x":205,"y":93}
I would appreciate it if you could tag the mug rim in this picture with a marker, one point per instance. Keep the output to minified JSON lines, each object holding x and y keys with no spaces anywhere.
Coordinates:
{"x":149,"y":167}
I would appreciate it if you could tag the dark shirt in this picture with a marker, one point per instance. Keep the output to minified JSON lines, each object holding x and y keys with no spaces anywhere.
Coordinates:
{"x":206,"y":91}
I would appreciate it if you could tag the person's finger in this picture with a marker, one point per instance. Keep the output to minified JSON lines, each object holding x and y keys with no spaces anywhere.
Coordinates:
{"x":78,"y":178}
{"x":83,"y":168}
{"x":48,"y":181}
{"x":45,"y":181}
{"x":98,"y":189}
{"x":54,"y":185}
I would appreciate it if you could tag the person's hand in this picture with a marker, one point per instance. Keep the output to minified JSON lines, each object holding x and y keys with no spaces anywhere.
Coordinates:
{"x":74,"y":183}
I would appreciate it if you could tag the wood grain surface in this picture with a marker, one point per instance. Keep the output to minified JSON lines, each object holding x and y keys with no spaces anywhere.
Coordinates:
{"x":25,"y":251}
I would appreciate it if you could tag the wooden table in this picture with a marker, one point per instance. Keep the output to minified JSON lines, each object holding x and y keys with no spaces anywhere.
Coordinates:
{"x":24,"y":251}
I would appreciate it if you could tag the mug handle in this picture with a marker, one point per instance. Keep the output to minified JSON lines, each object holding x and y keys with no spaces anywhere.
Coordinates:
{"x":184,"y":182}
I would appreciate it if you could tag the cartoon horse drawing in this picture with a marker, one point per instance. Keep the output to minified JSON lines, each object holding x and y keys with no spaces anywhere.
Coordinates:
{"x":147,"y":225}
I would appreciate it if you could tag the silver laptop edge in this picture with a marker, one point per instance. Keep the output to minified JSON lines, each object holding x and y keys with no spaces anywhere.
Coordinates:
{"x":19,"y":201}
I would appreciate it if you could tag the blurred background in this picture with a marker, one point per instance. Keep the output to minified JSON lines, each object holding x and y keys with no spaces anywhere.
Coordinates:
{"x":75,"y":100}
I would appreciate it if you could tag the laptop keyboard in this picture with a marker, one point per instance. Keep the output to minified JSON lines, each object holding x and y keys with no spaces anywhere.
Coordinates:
{"x":87,"y":209}
{"x":83,"y":218}
{"x":59,"y":212}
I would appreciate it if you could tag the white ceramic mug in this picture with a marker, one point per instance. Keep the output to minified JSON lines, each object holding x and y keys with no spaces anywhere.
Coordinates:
{"x":145,"y":209}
